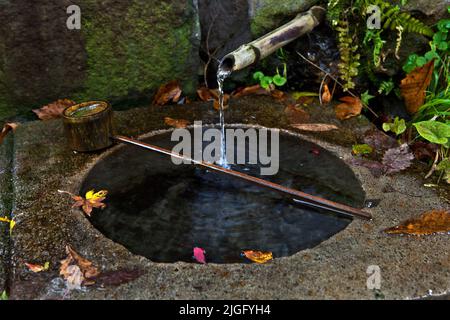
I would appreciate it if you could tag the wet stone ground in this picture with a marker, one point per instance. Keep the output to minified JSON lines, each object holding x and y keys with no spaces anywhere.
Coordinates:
{"x":35,"y":163}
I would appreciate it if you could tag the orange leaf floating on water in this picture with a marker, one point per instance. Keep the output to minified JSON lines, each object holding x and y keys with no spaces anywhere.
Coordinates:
{"x":54,"y":110}
{"x":326,"y":95}
{"x":168,"y":92}
{"x":179,"y":124}
{"x":351,"y":107}
{"x":76,"y":270}
{"x":414,"y":86}
{"x":315,"y":127}
{"x":36,"y":268}
{"x":431,"y":222}
{"x":258,"y":256}
{"x":6,"y":129}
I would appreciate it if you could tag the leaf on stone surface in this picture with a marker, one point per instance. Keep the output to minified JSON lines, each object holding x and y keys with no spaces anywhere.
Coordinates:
{"x":258,"y":256}
{"x":379,"y":140}
{"x":361,"y":149}
{"x":76,"y":270}
{"x":278,"y":95}
{"x":326,"y":95}
{"x":413,"y":87}
{"x":92,"y":200}
{"x":167,"y":93}
{"x":36,"y":268}
{"x":176,"y":123}
{"x":200,"y":255}
{"x":252,"y":90}
{"x":117,"y":278}
{"x":205,"y":94}
{"x":54,"y":110}
{"x":315,"y":127}
{"x":351,"y":107}
{"x":11,"y":222}
{"x":296,"y":115}
{"x":375,"y":167}
{"x":397,"y":159}
{"x":428,"y":223}
{"x":8,"y":127}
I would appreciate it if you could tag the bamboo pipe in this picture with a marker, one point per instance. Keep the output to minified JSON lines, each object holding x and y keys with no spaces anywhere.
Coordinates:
{"x":301,"y":197}
{"x":252,"y":52}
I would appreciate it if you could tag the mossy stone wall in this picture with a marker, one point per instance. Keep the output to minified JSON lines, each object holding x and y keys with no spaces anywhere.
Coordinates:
{"x":124,"y":50}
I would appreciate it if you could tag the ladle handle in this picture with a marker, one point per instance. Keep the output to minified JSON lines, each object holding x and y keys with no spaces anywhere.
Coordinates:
{"x":299,"y":196}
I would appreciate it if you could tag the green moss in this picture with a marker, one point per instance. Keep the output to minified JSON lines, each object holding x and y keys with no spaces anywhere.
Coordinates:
{"x":270,"y":14}
{"x":137,"y":50}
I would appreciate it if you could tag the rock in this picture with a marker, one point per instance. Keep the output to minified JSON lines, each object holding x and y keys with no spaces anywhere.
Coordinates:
{"x":433,"y":9}
{"x":267,"y":15}
{"x":124,"y":49}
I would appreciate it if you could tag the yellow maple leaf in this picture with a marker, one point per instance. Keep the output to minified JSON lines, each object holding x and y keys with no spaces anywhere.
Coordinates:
{"x":95,"y":196}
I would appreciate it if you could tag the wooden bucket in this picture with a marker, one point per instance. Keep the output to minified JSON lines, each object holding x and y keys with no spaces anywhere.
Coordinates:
{"x":88,"y":126}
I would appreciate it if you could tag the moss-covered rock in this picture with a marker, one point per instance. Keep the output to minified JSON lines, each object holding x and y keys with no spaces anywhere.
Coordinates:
{"x":125,"y":49}
{"x":269,"y":14}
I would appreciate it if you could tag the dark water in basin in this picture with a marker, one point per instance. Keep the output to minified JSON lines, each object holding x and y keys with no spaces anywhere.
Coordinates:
{"x":162,"y":211}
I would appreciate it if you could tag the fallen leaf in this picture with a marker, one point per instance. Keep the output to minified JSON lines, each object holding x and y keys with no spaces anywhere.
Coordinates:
{"x":252,"y":90}
{"x":11,"y":223}
{"x":6,"y":129}
{"x":179,"y":124}
{"x":413,"y":87}
{"x":117,"y":278}
{"x":326,"y":95}
{"x":315,"y":127}
{"x":92,"y":200}
{"x":200,"y":255}
{"x":168,"y":92}
{"x":205,"y":94}
{"x":379,"y":140}
{"x":77,"y":270}
{"x":397,"y":159}
{"x":296,"y":115}
{"x":54,"y":110}
{"x":258,"y":256}
{"x":361,"y":149}
{"x":428,"y":223}
{"x":36,"y":268}
{"x":351,"y":107}
{"x":278,"y":95}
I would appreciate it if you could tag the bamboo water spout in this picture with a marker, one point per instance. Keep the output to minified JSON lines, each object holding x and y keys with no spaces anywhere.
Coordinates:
{"x":251,"y":53}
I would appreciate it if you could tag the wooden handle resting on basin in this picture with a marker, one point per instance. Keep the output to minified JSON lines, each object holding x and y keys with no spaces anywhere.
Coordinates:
{"x":301,"y":197}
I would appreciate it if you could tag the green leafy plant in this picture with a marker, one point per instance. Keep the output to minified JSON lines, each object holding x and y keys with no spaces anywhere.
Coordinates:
{"x":434,"y":131}
{"x":398,"y":126}
{"x":4,"y":296}
{"x":266,"y":81}
{"x":362,"y":149}
{"x":348,"y":18}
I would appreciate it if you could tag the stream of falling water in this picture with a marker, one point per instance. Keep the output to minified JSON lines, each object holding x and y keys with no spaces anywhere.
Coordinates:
{"x":221,"y":76}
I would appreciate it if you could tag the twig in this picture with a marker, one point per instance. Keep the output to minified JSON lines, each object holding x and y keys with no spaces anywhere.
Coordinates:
{"x":434,"y":166}
{"x":336,"y":80}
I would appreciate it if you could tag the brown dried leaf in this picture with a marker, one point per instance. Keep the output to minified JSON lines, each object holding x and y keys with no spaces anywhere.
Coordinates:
{"x":6,"y":129}
{"x":252,"y":90}
{"x":351,"y":107}
{"x":414,"y":86}
{"x":54,"y":110}
{"x":258,"y":256}
{"x":205,"y":94}
{"x":278,"y":95}
{"x":296,"y":115}
{"x":326,"y":95}
{"x":168,"y":92}
{"x":226,"y":100}
{"x":428,"y":223}
{"x":77,"y":270}
{"x":315,"y":127}
{"x":117,"y":278}
{"x":176,"y":123}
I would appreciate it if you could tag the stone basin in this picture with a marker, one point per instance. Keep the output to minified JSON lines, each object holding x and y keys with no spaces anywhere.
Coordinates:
{"x":37,"y":163}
